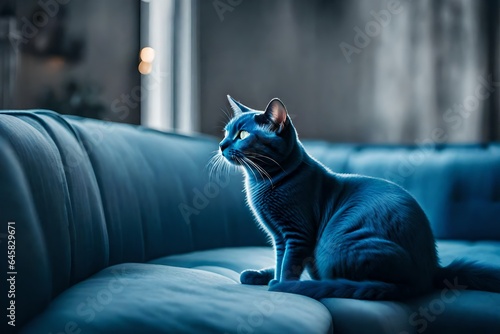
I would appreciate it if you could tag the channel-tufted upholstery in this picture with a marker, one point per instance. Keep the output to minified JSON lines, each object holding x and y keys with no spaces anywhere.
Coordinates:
{"x":456,"y":185}
{"x":128,"y":218}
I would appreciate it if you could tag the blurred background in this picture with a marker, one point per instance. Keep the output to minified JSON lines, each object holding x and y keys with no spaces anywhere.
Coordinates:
{"x":369,"y":71}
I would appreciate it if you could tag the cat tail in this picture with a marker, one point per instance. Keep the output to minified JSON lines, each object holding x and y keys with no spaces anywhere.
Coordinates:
{"x":471,"y":275}
{"x":343,"y":288}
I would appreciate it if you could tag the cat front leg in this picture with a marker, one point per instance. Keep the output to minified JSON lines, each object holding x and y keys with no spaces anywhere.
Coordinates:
{"x":294,"y":262}
{"x":279,"y":249}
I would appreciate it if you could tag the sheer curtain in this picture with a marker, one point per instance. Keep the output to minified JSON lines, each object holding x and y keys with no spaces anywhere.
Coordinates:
{"x":169,"y":91}
{"x":432,"y":78}
{"x":420,"y":78}
{"x":429,"y":75}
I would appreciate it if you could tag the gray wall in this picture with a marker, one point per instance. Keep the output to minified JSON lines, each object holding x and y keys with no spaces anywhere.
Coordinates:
{"x":398,"y":88}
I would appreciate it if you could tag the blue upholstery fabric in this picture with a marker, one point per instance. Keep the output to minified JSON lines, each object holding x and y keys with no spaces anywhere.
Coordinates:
{"x":455,"y":185}
{"x":445,"y":315}
{"x":94,"y":194}
{"x":463,"y":312}
{"x":443,"y":311}
{"x":466,"y":312}
{"x":39,"y":160}
{"x":149,"y":298}
{"x":212,"y":276}
{"x":17,"y":206}
{"x":144,"y":176}
{"x":90,"y":197}
{"x":229,"y":262}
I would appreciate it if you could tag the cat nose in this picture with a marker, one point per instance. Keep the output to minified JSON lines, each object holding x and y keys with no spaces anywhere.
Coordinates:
{"x":223,"y":145}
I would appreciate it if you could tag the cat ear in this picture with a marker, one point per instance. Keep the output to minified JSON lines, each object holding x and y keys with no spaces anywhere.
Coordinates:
{"x":276,"y":112}
{"x":237,"y":107}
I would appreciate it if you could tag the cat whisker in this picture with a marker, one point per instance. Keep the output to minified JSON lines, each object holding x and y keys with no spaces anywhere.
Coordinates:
{"x":213,"y":165}
{"x":257,"y":165}
{"x":218,"y":165}
{"x":226,"y":113}
{"x":266,"y":174}
{"x":260,"y":169}
{"x":261,"y":160}
{"x":222,"y":166}
{"x":248,"y":162}
{"x":250,"y":168}
{"x":257,"y":155}
{"x":242,"y":161}
{"x":211,"y":162}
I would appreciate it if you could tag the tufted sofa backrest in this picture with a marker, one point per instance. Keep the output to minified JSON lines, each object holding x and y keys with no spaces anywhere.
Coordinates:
{"x":458,"y":186}
{"x":86,"y":194}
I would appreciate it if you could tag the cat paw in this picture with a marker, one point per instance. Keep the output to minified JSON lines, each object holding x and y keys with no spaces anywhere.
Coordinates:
{"x":273,"y":282}
{"x":256,"y":277}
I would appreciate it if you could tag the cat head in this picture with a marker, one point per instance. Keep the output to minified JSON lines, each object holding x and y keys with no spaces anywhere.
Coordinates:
{"x":258,"y":140}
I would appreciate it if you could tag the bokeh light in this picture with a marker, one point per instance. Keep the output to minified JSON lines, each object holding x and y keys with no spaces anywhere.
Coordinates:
{"x":147,"y":54}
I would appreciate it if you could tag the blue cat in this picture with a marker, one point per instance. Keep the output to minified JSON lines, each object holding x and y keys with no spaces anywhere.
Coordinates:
{"x":357,"y":236}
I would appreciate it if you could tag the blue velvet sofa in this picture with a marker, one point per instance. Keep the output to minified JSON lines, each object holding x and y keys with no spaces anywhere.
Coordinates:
{"x":118,"y":229}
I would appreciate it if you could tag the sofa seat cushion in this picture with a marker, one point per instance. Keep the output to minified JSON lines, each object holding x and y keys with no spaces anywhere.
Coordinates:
{"x":152,"y":298}
{"x":443,"y":311}
{"x":229,"y":262}
{"x":447,"y":312}
{"x":484,"y":251}
{"x":440,"y":312}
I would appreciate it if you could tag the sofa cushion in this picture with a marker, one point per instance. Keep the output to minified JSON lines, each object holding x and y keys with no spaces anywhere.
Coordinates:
{"x":229,"y":262}
{"x":151,"y":298}
{"x":87,"y":194}
{"x":439,"y":312}
{"x":156,"y":193}
{"x":34,"y":261}
{"x":443,"y":311}
{"x":484,"y":251}
{"x":61,"y":235}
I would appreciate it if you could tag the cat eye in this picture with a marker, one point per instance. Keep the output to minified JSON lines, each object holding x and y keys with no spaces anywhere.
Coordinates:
{"x":243,"y":134}
{"x":226,"y":133}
